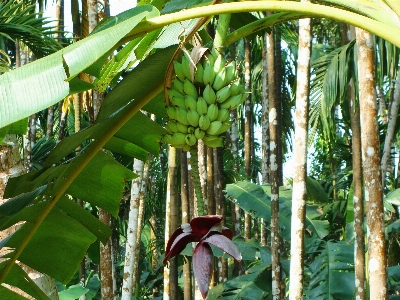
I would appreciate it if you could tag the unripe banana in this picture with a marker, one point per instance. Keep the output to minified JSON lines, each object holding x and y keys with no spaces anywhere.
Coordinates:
{"x":190,"y":129}
{"x":190,"y":103}
{"x":179,"y":70}
{"x":230,"y":72}
{"x":178,"y":101}
{"x":219,"y":80}
{"x":209,"y":95}
{"x":223,"y":94}
{"x":190,"y":139}
{"x":177,"y":85}
{"x":178,"y":139}
{"x":224,"y":127}
{"x":201,"y":106}
{"x":190,"y":89}
{"x":209,"y":58}
{"x":215,"y":52}
{"x":212,"y":112}
{"x":193,"y":117}
{"x":199,"y":134}
{"x":204,"y":122}
{"x":172,"y":112}
{"x":219,"y":64}
{"x":208,"y":74}
{"x":236,"y":87}
{"x":214,"y":127}
{"x":186,"y":66}
{"x":198,"y":75}
{"x":181,"y":116}
{"x":171,"y":126}
{"x":174,"y":93}
{"x":213,"y":141}
{"x":223,"y":114}
{"x":181,"y":128}
{"x":232,"y":102}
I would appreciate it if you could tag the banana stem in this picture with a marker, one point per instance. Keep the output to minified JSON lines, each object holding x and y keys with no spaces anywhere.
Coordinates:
{"x":194,"y":161}
{"x":222,"y":30}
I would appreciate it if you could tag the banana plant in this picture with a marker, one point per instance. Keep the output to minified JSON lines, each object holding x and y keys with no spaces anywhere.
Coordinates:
{"x":53,"y":224}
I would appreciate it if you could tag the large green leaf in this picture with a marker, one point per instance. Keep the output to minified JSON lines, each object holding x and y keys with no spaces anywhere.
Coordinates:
{"x":51,"y":85}
{"x":60,"y":237}
{"x":332,"y":273}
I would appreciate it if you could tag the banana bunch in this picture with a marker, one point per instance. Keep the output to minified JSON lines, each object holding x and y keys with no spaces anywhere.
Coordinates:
{"x":201,"y":99}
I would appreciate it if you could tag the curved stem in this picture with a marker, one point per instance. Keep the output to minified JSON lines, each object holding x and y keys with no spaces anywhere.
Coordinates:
{"x":194,"y":161}
{"x":383,"y":30}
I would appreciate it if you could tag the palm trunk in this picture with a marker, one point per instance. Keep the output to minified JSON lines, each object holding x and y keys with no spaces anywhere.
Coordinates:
{"x":128,"y":284}
{"x":391,"y":127}
{"x":300,"y":157}
{"x":274,"y":169}
{"x":247,"y":130}
{"x":371,"y":167}
{"x":170,"y":283}
{"x":187,"y":286}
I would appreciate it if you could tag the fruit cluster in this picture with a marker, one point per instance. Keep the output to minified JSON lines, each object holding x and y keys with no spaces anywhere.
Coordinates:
{"x":200,"y":100}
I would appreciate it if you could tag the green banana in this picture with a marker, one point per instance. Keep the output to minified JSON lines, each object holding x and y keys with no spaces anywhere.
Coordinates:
{"x":236,"y":87}
{"x":223,"y":114}
{"x":190,"y":129}
{"x":208,"y":74}
{"x":190,"y":103}
{"x":193,"y":117}
{"x":190,"y":89}
{"x":209,"y":95}
{"x":171,"y":126}
{"x":181,"y":116}
{"x":174,"y":93}
{"x":186,"y":66}
{"x":198,"y":74}
{"x":219,"y":80}
{"x":177,"y":85}
{"x":190,"y":139}
{"x":230,"y":72}
{"x":209,"y":58}
{"x":213,"y":141}
{"x":215,"y":52}
{"x":201,"y":106}
{"x":181,"y":128}
{"x":232,"y":102}
{"x":178,"y":101}
{"x":223,"y":94}
{"x":212,"y":112}
{"x":214,"y":127}
{"x":219,"y":64}
{"x":224,"y":127}
{"x":199,"y":134}
{"x":204,"y":122}
{"x":172,"y":112}
{"x":179,"y":70}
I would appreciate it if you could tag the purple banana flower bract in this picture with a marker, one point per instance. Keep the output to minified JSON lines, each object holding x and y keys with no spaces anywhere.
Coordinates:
{"x":205,"y":230}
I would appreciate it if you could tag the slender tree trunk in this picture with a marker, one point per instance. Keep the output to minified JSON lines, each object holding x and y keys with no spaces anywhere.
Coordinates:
{"x":128,"y":284}
{"x":391,"y":127}
{"x":358,"y":198}
{"x":300,"y":158}
{"x":359,"y":242}
{"x":170,"y":289}
{"x":247,"y":129}
{"x":278,"y":96}
{"x":265,"y":133}
{"x":371,"y":166}
{"x":187,"y":277}
{"x":274,"y":169}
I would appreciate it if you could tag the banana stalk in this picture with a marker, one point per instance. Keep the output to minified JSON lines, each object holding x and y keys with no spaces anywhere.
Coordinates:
{"x":194,"y":161}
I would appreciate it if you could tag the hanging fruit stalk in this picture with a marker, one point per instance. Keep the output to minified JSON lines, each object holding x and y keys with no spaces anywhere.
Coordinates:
{"x":201,"y":95}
